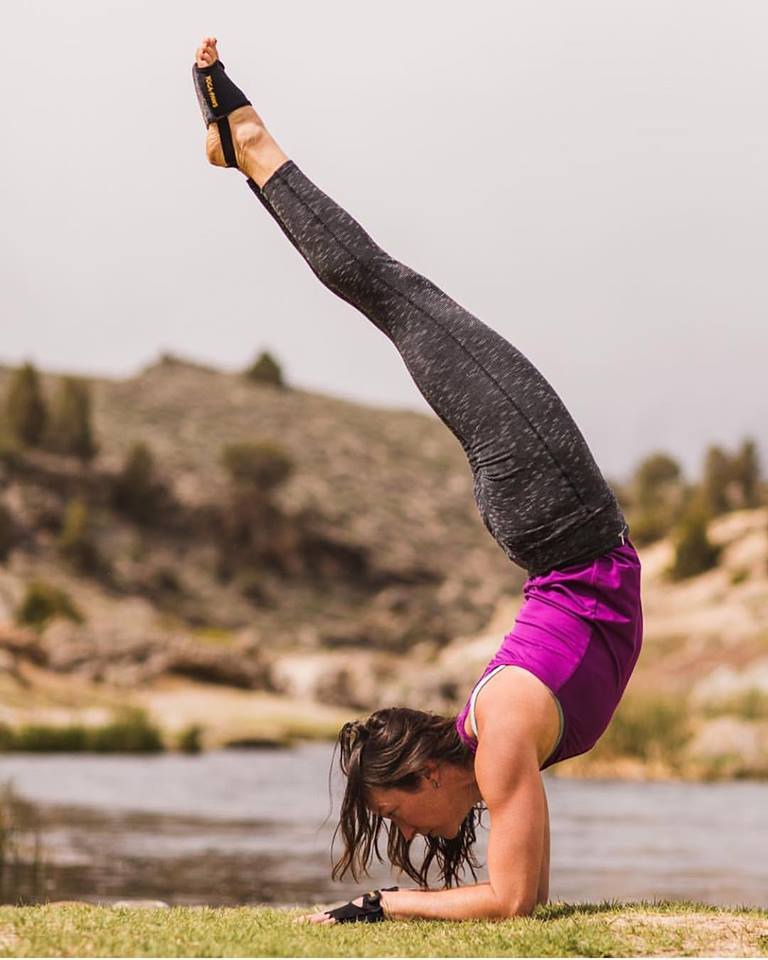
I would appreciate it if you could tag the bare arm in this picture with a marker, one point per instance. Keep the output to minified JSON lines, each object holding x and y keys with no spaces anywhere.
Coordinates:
{"x":543,"y":891}
{"x":511,"y":747}
{"x":517,"y":865}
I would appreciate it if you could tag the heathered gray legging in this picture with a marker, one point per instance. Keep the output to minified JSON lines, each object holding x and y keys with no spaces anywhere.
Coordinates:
{"x":538,"y":488}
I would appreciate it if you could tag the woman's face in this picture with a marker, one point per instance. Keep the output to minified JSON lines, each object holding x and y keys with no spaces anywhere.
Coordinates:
{"x":430,"y":811}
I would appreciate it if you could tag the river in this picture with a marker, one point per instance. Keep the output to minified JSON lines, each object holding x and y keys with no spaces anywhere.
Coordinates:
{"x":255,"y":826}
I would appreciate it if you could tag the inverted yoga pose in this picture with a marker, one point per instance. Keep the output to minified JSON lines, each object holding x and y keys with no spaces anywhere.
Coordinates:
{"x":551,"y":689}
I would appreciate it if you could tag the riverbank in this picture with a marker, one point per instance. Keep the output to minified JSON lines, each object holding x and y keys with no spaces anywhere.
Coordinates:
{"x":559,"y":930}
{"x":652,"y":737}
{"x":229,"y":827}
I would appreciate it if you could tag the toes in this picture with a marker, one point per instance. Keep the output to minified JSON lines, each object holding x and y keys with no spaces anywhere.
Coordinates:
{"x":206,"y":53}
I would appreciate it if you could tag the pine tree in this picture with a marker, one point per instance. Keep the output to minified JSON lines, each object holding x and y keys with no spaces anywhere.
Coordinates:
{"x":71,"y":431}
{"x":259,"y":467}
{"x":715,"y":481}
{"x":75,"y":542}
{"x":657,"y":496}
{"x":694,"y":553}
{"x":26,"y":411}
{"x":137,"y":491}
{"x":745,"y":470}
{"x":265,"y":369}
{"x":7,"y":531}
{"x":253,"y":528}
{"x":653,"y":477}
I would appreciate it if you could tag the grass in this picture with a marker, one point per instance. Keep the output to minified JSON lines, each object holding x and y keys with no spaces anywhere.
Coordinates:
{"x":213,"y":635}
{"x":747,"y":705}
{"x":22,"y":859}
{"x":654,"y":732}
{"x":129,"y":732}
{"x":558,"y":930}
{"x":648,"y":727}
{"x":43,"y":602}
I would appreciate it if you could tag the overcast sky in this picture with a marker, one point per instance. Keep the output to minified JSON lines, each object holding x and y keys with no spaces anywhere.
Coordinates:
{"x":586,"y":176}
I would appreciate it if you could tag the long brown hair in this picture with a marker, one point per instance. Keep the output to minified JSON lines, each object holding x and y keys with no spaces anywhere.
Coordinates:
{"x":390,"y":750}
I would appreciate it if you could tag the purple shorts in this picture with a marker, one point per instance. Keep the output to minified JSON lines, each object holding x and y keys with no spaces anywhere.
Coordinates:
{"x":579,"y":631}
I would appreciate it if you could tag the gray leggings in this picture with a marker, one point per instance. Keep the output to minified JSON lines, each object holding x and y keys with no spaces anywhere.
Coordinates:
{"x":538,"y":488}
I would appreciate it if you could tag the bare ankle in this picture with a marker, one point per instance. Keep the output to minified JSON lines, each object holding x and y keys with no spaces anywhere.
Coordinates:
{"x":256,"y":152}
{"x":261,"y":156}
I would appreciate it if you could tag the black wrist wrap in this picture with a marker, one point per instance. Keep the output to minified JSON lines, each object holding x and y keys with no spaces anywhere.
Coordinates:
{"x":370,"y":912}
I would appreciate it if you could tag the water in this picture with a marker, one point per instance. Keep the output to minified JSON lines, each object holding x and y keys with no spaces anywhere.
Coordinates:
{"x":246,"y":826}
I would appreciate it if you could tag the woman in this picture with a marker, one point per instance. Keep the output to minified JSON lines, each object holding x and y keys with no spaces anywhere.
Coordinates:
{"x":551,"y":689}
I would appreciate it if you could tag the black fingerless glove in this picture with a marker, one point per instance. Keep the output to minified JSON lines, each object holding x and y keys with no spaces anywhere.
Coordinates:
{"x":370,"y":912}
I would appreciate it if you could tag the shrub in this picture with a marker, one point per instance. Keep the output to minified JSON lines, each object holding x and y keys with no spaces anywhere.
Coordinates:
{"x":649,"y":525}
{"x":258,"y":466}
{"x":23,"y":867}
{"x":739,"y":576}
{"x":250,"y":584}
{"x":750,"y":704}
{"x":42,"y":602}
{"x":211,"y":634}
{"x":75,"y":543}
{"x":130,"y":732}
{"x":7,"y":531}
{"x":43,"y":738}
{"x":648,"y":727}
{"x":715,"y":481}
{"x":10,"y":449}
{"x":26,"y":411}
{"x":165,"y":579}
{"x":70,"y":430}
{"x":190,"y":739}
{"x":653,"y":475}
{"x":7,"y":737}
{"x":265,"y":369}
{"x":657,"y":497}
{"x":745,"y":469}
{"x":694,"y":553}
{"x":136,"y":490}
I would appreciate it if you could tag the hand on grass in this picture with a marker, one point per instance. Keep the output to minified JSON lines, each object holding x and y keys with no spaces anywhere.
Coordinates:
{"x":322,"y":917}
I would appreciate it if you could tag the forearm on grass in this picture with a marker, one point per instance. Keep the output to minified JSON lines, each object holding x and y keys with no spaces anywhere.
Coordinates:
{"x":472,"y":902}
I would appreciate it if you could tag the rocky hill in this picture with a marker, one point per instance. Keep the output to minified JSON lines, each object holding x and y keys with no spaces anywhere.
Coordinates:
{"x":377,"y":545}
{"x":388,"y":590}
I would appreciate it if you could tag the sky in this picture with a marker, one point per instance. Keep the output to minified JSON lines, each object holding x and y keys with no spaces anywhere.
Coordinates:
{"x":586,"y":176}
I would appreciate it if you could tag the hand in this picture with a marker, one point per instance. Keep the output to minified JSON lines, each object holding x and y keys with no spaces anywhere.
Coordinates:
{"x":324,"y":917}
{"x":365,"y":909}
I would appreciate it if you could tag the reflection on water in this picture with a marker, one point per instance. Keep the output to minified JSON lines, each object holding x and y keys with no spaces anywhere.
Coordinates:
{"x":234,"y":827}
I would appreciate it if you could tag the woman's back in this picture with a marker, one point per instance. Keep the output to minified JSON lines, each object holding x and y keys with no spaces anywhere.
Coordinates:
{"x":579,"y":631}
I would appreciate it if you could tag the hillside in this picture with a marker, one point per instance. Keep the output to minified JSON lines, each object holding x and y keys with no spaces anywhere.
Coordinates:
{"x":386,"y":493}
{"x":390,"y":589}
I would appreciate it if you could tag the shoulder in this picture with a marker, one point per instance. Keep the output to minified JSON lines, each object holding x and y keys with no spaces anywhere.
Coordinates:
{"x":516,"y":711}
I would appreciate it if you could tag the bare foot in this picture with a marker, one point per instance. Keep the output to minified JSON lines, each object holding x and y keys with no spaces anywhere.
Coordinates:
{"x":207,"y":54}
{"x":253,"y":145}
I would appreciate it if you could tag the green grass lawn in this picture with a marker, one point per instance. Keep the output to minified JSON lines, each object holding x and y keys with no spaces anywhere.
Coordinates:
{"x":558,"y":930}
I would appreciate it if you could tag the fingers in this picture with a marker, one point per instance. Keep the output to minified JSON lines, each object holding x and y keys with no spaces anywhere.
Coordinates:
{"x":321,"y":918}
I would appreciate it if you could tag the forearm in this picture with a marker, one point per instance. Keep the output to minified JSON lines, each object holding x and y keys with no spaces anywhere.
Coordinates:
{"x":474,"y":902}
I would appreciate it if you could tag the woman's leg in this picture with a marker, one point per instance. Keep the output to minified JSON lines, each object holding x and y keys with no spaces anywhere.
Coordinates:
{"x":538,"y":488}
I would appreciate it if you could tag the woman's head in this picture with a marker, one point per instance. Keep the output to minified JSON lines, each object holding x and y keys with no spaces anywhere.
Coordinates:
{"x":411,"y":768}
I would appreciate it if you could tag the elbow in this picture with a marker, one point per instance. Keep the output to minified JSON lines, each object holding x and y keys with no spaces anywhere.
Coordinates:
{"x":518,"y":908}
